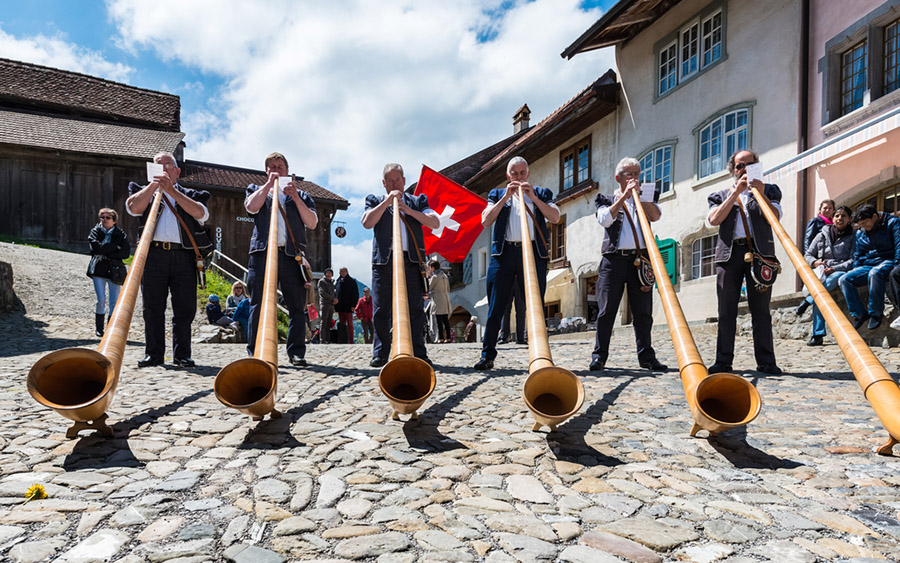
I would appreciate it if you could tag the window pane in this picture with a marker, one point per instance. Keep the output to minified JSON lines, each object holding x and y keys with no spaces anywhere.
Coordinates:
{"x":584,"y":156}
{"x":668,"y":67}
{"x":853,"y":77}
{"x":712,"y":39}
{"x":689,"y":50}
{"x":568,"y":171}
{"x":891,"y":57}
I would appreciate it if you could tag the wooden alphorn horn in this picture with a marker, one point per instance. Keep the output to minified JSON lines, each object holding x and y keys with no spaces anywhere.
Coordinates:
{"x":406,"y":381}
{"x":250,"y":384}
{"x":552,"y":393}
{"x":79,"y":383}
{"x":719,"y":401}
{"x":878,"y":387}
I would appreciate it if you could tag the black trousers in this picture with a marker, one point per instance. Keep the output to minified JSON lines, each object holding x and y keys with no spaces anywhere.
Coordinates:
{"x":382,"y":299}
{"x":893,"y":287}
{"x":730,"y":276}
{"x":618,"y":272}
{"x":505,"y":272}
{"x":519,"y":299}
{"x":165,"y":272}
{"x":294,"y":291}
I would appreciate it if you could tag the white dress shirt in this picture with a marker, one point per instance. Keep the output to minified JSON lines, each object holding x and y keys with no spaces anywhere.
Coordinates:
{"x":514,"y":225}
{"x":739,"y":231}
{"x":282,"y":230}
{"x":167,"y":229}
{"x":626,"y":236}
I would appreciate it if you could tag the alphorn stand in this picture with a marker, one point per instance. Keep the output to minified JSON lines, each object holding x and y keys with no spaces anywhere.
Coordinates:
{"x":719,"y":401}
{"x":878,"y":387}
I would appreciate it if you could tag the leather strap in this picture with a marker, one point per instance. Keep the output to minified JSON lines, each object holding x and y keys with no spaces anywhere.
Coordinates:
{"x":637,"y":244}
{"x":186,"y":230}
{"x":746,"y":225}
{"x":298,"y":256}
{"x":415,"y":245}
{"x":538,"y":230}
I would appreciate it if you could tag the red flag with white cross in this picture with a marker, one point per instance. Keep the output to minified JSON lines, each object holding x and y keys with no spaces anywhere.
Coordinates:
{"x":459,"y":211}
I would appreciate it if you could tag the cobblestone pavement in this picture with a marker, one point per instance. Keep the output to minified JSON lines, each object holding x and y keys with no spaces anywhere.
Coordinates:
{"x":186,"y":479}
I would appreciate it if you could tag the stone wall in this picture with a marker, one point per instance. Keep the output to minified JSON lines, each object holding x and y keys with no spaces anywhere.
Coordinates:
{"x":7,"y":295}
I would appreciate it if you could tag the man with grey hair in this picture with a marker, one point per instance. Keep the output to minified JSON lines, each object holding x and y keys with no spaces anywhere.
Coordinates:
{"x":622,"y":244}
{"x":415,"y":213}
{"x":171,"y":265}
{"x":506,"y":268}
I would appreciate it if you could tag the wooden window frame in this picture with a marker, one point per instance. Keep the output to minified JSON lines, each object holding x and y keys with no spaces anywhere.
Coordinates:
{"x":573,"y":152}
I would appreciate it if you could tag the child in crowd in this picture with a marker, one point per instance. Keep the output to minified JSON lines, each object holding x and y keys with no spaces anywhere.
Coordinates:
{"x":214,"y":313}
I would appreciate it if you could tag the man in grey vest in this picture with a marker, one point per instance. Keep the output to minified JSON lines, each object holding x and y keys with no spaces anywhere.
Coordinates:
{"x":725,"y":208}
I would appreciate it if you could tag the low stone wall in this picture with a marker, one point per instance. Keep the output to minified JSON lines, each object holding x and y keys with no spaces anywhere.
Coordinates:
{"x":787,"y":325}
{"x":7,"y":295}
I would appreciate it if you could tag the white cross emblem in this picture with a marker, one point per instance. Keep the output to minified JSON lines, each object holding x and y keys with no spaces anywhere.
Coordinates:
{"x":447,"y":221}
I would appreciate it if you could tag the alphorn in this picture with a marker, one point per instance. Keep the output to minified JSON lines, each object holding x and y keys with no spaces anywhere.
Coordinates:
{"x":552,"y":393}
{"x":250,"y":384}
{"x":406,"y":381}
{"x":79,"y":383}
{"x":878,"y":387}
{"x":719,"y":401}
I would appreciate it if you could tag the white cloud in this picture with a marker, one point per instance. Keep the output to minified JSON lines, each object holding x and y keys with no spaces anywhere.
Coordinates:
{"x":343,"y":87}
{"x":58,"y":53}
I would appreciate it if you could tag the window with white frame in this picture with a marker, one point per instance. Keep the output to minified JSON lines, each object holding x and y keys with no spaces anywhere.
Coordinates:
{"x":861,"y":63}
{"x":656,"y":166}
{"x":720,"y":138}
{"x":694,"y":47}
{"x":703,"y":257}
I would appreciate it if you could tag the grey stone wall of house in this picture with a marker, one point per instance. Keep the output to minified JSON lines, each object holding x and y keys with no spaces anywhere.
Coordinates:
{"x":7,"y":295}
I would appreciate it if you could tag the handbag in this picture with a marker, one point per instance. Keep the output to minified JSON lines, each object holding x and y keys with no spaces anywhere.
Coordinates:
{"x":646,"y":275}
{"x":98,"y":267}
{"x":764,"y":270}
{"x":117,"y":272}
{"x":313,"y":313}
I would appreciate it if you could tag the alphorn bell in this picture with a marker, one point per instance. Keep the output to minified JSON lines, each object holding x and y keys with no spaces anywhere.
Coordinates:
{"x":552,"y":393}
{"x":878,"y":387}
{"x":406,"y":381}
{"x":79,"y":383}
{"x":719,"y":401}
{"x":250,"y":384}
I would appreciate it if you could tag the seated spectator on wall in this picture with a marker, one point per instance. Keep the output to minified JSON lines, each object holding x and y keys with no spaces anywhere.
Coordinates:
{"x":214,"y":313}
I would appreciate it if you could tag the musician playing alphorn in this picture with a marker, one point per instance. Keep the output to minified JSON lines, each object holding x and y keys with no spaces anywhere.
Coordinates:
{"x":171,"y":262}
{"x":416,"y":214}
{"x":300,"y":209}
{"x":732,"y":270}
{"x":506,"y":268}
{"x":618,"y":269}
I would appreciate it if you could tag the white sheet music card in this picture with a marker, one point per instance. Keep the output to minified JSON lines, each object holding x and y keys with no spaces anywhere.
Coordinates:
{"x":754,"y":172}
{"x":154,"y":169}
{"x":648,"y":190}
{"x":283,"y":181}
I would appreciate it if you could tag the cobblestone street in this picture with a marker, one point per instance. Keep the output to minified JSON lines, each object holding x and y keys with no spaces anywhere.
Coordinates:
{"x":335,"y":479}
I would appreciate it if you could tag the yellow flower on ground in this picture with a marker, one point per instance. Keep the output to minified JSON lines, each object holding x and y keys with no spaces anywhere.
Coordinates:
{"x":35,"y":492}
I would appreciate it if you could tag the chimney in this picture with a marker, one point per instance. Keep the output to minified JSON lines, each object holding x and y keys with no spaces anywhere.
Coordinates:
{"x":520,"y":119}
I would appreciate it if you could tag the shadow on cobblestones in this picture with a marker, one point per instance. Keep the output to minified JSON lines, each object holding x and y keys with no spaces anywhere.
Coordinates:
{"x":423,"y":434}
{"x":29,"y":336}
{"x":733,"y":446}
{"x":94,"y":451}
{"x":568,"y":442}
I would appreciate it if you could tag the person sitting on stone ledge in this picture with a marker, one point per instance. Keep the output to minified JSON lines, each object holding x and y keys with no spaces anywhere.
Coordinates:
{"x":214,"y":313}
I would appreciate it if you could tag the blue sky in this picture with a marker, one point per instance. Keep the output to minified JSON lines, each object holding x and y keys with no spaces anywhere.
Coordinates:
{"x":340,"y":88}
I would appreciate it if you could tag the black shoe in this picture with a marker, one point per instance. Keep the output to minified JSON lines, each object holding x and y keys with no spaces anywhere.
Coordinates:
{"x":299,"y":362}
{"x":522,"y":342}
{"x":184,"y":362}
{"x":875,"y":321}
{"x":654,"y":365}
{"x":859,"y":321}
{"x":484,"y":364}
{"x":597,"y":365}
{"x":815,"y":340}
{"x":801,"y":308}
{"x":378,"y":362}
{"x":149,"y":361}
{"x":771,"y":369}
{"x":427,"y":360}
{"x":719,"y":368}
{"x":98,"y":324}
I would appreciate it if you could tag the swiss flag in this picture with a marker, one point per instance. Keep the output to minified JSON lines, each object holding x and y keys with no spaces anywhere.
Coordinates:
{"x":460,"y":212}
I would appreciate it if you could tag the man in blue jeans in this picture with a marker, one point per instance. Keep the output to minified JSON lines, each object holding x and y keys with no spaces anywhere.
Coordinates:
{"x":877,"y":252}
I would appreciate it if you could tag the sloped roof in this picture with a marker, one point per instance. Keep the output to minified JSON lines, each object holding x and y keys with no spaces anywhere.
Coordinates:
{"x":619,"y":24}
{"x":206,"y":174}
{"x":55,"y":91}
{"x":76,"y":135}
{"x":589,"y":105}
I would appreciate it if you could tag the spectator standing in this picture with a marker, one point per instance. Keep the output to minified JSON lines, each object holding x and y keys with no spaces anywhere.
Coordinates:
{"x":471,"y":329}
{"x":109,"y":246}
{"x":327,"y":302}
{"x":439,"y":287}
{"x":346,"y":292}
{"x":364,"y":314}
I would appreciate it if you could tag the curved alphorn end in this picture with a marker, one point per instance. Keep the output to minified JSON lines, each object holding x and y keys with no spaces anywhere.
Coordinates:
{"x":887,"y":448}
{"x":407,"y":382}
{"x":552,"y":394}
{"x":722,"y":401}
